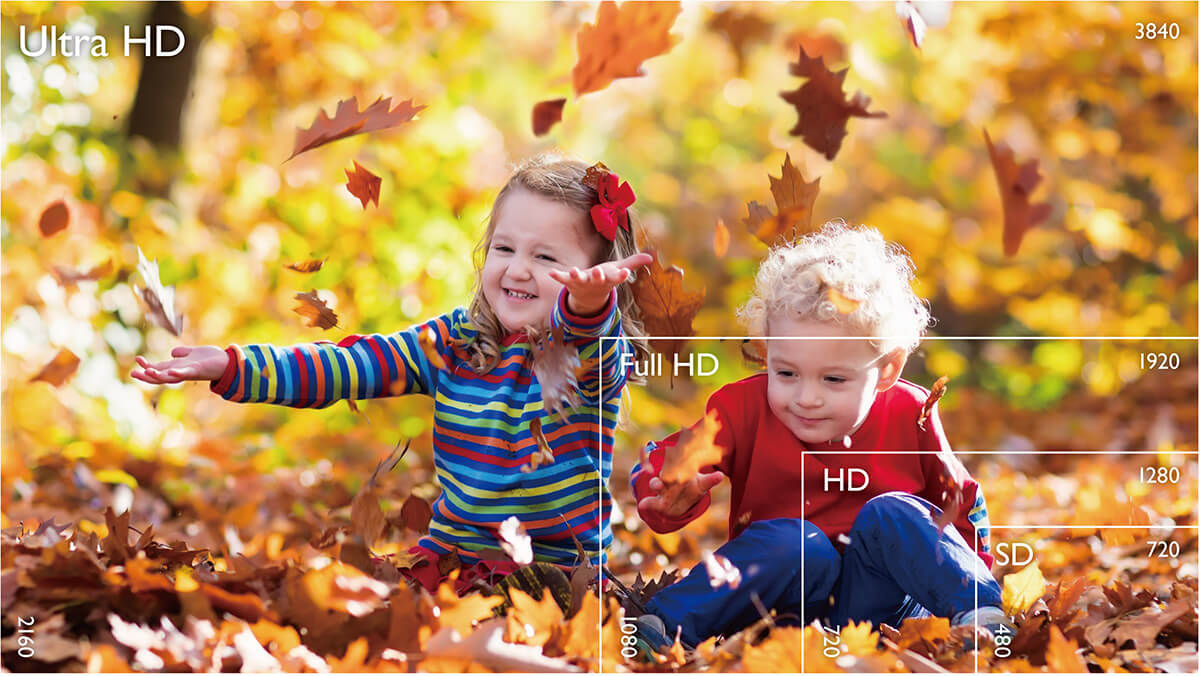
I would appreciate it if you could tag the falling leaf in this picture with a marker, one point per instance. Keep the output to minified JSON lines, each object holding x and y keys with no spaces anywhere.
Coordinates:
{"x":721,"y":571}
{"x":428,"y":342}
{"x":1021,"y":589}
{"x":793,"y":195}
{"x":159,"y":299}
{"x":667,"y":309}
{"x":720,"y":239}
{"x":366,"y":517}
{"x":315,"y":310}
{"x":59,"y":370}
{"x":694,"y":450}
{"x":822,"y":105}
{"x":546,"y":114}
{"x":514,"y":541}
{"x":416,"y":514}
{"x":844,"y":304}
{"x":1061,"y":655}
{"x":756,"y":216}
{"x":740,"y":28}
{"x":348,"y":121}
{"x":918,"y":16}
{"x":935,"y":393}
{"x":363,"y":184}
{"x":1017,"y":183}
{"x":307,"y":266}
{"x":68,"y":277}
{"x":54,"y":218}
{"x":620,"y":40}
{"x":543,"y":455}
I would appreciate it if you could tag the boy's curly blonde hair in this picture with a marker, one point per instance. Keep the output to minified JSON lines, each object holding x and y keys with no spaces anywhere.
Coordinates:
{"x":802,"y":279}
{"x":558,"y":178}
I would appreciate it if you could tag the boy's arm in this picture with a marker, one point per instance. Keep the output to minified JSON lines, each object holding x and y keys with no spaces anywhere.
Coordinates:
{"x":315,"y":375}
{"x":607,"y":371}
{"x":949,"y":486}
{"x":655,"y":455}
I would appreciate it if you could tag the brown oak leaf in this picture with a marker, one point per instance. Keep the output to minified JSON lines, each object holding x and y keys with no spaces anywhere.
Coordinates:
{"x":315,"y":310}
{"x":822,"y":106}
{"x":349,"y":120}
{"x":667,"y":309}
{"x":54,"y":219}
{"x":59,"y":370}
{"x":1017,"y":183}
{"x":694,"y":450}
{"x":363,"y":184}
{"x":546,"y":114}
{"x":620,"y":40}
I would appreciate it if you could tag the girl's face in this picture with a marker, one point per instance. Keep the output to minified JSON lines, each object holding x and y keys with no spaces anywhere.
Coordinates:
{"x":534,"y":235}
{"x":822,"y":390}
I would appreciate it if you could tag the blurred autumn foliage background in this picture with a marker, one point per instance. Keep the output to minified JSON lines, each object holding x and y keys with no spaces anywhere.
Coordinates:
{"x":189,"y":166}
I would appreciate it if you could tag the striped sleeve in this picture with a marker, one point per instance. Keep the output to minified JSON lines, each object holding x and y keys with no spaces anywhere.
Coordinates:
{"x":598,"y":338}
{"x":316,"y":375}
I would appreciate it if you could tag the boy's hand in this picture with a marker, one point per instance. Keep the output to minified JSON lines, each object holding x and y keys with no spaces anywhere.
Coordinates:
{"x":588,"y":290}
{"x":206,"y":362}
{"x":676,"y":499}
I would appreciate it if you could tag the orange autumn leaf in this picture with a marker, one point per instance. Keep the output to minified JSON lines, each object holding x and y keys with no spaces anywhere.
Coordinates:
{"x":844,"y":304}
{"x":667,"y":309}
{"x":543,"y":455}
{"x":307,"y":266}
{"x":822,"y":106}
{"x":1061,"y":655}
{"x":791,"y":191}
{"x":935,"y":393}
{"x":531,"y":621}
{"x":363,"y":184}
{"x":620,"y":40}
{"x":1017,"y":183}
{"x":54,"y":219}
{"x":695,"y":449}
{"x":59,"y":370}
{"x":428,"y":341}
{"x":315,"y":310}
{"x":349,"y":120}
{"x":460,"y":613}
{"x":546,"y":114}
{"x":720,"y":239}
{"x":923,"y":631}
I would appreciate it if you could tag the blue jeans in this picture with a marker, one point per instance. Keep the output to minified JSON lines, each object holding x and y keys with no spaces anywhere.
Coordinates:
{"x":895,"y":566}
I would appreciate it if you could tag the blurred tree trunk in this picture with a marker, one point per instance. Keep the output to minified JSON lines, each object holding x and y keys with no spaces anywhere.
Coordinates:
{"x":165,"y":81}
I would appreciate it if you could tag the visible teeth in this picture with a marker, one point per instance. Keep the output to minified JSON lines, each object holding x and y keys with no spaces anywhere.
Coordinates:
{"x":517,"y":294}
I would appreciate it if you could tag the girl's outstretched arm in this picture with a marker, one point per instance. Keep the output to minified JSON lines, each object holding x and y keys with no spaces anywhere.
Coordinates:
{"x":320,"y":373}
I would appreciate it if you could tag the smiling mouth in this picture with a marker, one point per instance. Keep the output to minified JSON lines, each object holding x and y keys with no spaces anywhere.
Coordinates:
{"x":519,"y":295}
{"x":809,"y":421}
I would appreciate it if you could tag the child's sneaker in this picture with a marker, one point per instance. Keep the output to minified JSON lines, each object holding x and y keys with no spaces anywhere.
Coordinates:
{"x":651,"y":637}
{"x":988,"y":618}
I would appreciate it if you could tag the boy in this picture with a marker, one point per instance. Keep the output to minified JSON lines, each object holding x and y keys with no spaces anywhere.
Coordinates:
{"x":836,"y":399}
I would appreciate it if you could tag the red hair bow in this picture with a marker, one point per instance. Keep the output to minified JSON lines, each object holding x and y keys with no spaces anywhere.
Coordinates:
{"x":615,"y":199}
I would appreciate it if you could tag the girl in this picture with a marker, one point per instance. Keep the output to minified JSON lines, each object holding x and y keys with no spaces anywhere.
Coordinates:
{"x":553,"y":261}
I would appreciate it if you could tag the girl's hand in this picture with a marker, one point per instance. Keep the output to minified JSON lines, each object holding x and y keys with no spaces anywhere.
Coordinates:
{"x":676,"y":499}
{"x":588,"y":290}
{"x":206,"y":362}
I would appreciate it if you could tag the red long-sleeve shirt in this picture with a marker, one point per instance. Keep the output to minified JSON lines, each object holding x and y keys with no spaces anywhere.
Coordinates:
{"x":763,"y":461}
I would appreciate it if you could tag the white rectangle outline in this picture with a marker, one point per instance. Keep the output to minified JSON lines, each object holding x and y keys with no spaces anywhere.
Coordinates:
{"x":600,"y":444}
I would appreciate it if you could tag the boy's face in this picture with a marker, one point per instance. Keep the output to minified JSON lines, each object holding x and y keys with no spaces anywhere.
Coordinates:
{"x":533,"y":235}
{"x":822,"y":390}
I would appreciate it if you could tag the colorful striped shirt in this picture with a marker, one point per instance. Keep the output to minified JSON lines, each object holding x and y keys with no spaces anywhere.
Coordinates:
{"x":481,"y":435}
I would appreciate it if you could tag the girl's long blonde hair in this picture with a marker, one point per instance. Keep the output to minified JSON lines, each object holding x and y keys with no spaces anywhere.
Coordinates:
{"x":559,"y":179}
